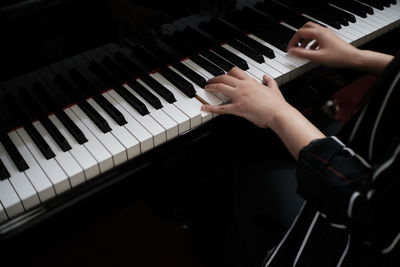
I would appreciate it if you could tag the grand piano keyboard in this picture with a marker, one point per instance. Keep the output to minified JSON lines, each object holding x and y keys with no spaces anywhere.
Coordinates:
{"x":67,"y":123}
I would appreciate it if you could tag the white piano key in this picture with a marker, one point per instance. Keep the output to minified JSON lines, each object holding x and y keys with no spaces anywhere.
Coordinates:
{"x":3,"y":215}
{"x":79,"y":152}
{"x":125,"y":138}
{"x":286,"y":72}
{"x":50,"y":167}
{"x":157,"y":132}
{"x":10,"y":200}
{"x":19,"y":181}
{"x":368,"y":26}
{"x":64,"y":159}
{"x":93,"y":145}
{"x":133,"y":126}
{"x":184,"y":103}
{"x":115,"y":148}
{"x":176,"y":114}
{"x":258,"y":70}
{"x":170,"y":126}
{"x":388,"y":14}
{"x":35,"y":174}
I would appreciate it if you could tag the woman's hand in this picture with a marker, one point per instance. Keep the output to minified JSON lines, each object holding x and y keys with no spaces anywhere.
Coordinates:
{"x":321,"y":45}
{"x":328,"y":48}
{"x":265,"y":106}
{"x":250,"y":99}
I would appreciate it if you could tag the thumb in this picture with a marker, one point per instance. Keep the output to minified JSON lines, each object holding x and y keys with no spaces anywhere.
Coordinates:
{"x":268,"y":81}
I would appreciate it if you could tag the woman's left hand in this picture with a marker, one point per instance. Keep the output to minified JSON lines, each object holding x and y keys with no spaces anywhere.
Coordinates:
{"x":254,"y":101}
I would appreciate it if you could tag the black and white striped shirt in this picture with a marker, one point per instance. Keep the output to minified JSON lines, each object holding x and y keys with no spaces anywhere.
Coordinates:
{"x":352,"y":192}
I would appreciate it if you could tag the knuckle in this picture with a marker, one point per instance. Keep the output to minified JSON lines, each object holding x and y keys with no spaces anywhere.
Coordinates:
{"x":309,"y":23}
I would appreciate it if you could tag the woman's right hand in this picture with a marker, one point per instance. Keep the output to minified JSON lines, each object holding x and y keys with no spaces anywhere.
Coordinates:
{"x":328,"y":48}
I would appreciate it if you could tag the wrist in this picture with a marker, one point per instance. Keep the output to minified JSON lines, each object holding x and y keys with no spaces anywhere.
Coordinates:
{"x":370,"y":61}
{"x":358,"y":59}
{"x":285,"y":114}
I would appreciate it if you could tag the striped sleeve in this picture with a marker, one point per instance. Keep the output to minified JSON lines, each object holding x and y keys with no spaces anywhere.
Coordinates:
{"x":335,"y":180}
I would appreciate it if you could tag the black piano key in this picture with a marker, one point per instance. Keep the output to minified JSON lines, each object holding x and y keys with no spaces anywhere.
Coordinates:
{"x":159,"y":88}
{"x":4,"y":174}
{"x":138,"y":105}
{"x":282,"y":13}
{"x":124,"y":76}
{"x":208,"y":66}
{"x":146,"y":94}
{"x":373,"y":3}
{"x":266,"y":51}
{"x":150,"y":81}
{"x":224,"y":33}
{"x":369,"y":10}
{"x":247,"y":45}
{"x":39,"y":141}
{"x":251,"y":53}
{"x":191,"y":74}
{"x":234,"y":59}
{"x":72,"y":128}
{"x":13,"y":152}
{"x":31,"y":103}
{"x":114,"y":113}
{"x":182,"y":84}
{"x":93,"y":115}
{"x":18,"y":111}
{"x":316,"y":10}
{"x":55,"y":133}
{"x":216,"y":48}
{"x":217,"y":60}
{"x":192,"y":46}
{"x":351,"y":7}
{"x":345,"y":15}
{"x":269,"y":37}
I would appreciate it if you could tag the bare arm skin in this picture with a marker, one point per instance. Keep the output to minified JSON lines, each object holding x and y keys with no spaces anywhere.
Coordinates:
{"x":264,"y":105}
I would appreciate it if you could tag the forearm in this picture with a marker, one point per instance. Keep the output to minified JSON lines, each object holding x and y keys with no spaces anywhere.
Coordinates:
{"x":294,"y":129}
{"x":370,"y":61}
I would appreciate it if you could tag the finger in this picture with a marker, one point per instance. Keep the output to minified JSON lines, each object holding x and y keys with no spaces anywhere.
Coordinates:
{"x":225,"y":79}
{"x":310,"y":24}
{"x":268,"y":81}
{"x":303,"y":33}
{"x":304,"y":53}
{"x":222,"y":109}
{"x":220,"y":88}
{"x":238,"y":73}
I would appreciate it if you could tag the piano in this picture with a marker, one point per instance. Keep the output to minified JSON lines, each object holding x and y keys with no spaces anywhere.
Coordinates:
{"x":83,"y":113}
